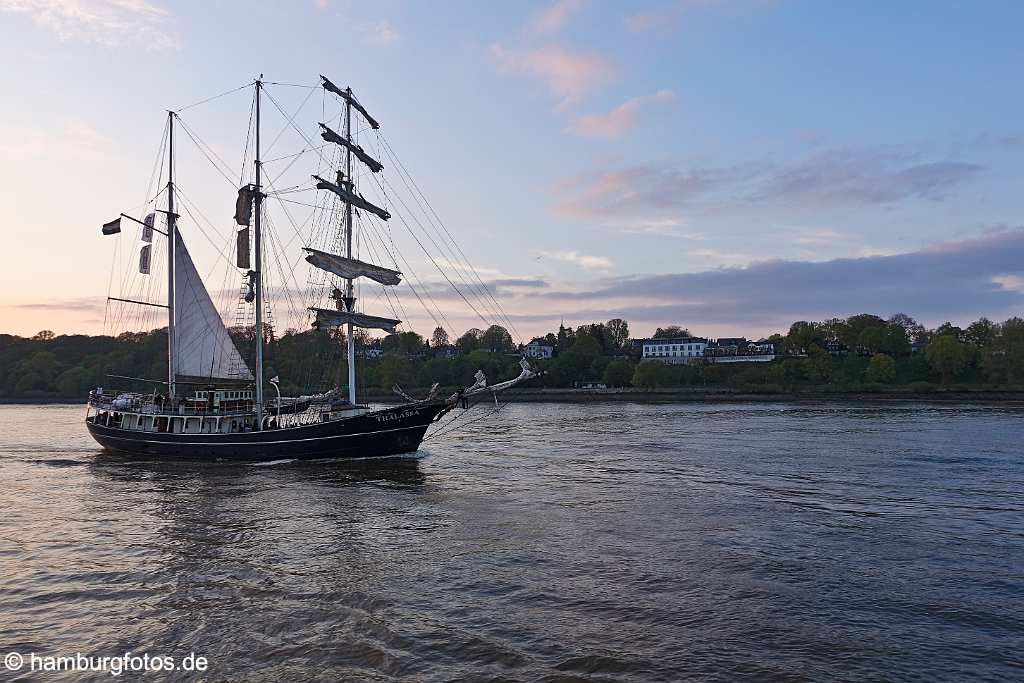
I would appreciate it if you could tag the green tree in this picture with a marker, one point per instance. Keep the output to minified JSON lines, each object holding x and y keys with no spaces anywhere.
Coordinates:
{"x":881,"y":369}
{"x":652,"y":374}
{"x":618,"y":373}
{"x":671,"y":331}
{"x":469,"y":342}
{"x":618,"y":331}
{"x":439,"y":338}
{"x":980,"y":333}
{"x":948,"y":356}
{"x":803,"y":335}
{"x":496,"y":339}
{"x":1003,"y":359}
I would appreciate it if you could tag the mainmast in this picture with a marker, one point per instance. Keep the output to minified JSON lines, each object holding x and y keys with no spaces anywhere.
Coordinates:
{"x":347,"y":267}
{"x":171,"y":237}
{"x":258,"y":268}
{"x":350,"y":300}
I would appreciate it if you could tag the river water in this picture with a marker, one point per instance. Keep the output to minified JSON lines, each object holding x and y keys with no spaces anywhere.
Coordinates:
{"x":550,"y":541}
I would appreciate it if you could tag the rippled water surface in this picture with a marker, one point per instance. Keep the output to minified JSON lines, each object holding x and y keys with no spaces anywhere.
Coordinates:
{"x":599,"y":542}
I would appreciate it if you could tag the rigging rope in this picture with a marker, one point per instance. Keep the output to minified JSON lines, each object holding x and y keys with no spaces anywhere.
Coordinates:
{"x":211,"y":99}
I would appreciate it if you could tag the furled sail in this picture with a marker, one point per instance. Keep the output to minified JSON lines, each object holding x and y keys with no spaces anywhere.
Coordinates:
{"x":353,"y":199}
{"x":203,"y":347}
{"x":350,"y":268}
{"x":371,"y":163}
{"x":242,"y":249}
{"x":328,"y":318}
{"x":113,"y":227}
{"x":243,"y":205}
{"x":350,"y":98}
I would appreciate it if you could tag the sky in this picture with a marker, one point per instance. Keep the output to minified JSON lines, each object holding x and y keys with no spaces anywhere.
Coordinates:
{"x":729,"y":166}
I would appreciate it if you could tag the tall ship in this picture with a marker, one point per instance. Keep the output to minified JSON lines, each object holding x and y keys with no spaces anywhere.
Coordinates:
{"x":214,"y":403}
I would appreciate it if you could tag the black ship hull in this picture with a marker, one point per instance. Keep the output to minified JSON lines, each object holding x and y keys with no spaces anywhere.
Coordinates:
{"x":382,"y":433}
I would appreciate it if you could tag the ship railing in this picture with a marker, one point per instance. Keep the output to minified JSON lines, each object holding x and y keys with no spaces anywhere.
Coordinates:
{"x":133,"y":402}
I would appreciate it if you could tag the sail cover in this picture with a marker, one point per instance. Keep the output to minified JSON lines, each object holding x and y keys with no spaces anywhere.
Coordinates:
{"x":350,"y":268}
{"x":353,"y":199}
{"x":350,"y":98}
{"x":202,"y":345}
{"x":330,"y":136}
{"x":328,"y":318}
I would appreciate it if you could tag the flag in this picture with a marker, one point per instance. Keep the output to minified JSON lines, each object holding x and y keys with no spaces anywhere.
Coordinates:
{"x":113,"y":227}
{"x":275,"y":379}
{"x":147,"y":228}
{"x":144,"y":259}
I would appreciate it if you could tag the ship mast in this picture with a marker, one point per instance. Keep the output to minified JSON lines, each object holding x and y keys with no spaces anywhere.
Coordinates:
{"x":171,"y":237}
{"x":350,"y":300}
{"x":258,"y":268}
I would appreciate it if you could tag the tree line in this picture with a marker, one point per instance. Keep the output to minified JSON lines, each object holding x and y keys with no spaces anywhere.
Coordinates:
{"x":861,"y":353}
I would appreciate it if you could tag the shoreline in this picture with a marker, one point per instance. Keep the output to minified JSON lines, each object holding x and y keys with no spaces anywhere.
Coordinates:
{"x":674,"y":396}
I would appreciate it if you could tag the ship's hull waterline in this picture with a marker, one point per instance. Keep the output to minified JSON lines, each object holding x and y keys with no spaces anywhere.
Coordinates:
{"x":390,"y":432}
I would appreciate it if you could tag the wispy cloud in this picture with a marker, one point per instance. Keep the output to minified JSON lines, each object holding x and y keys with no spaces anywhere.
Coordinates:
{"x":554,"y":18}
{"x":91,"y":304}
{"x":664,"y":16}
{"x":381,"y":34}
{"x":101,"y":22}
{"x":835,"y":177}
{"x":567,"y":76}
{"x":583,"y":260}
{"x":664,"y":227}
{"x":613,"y":124}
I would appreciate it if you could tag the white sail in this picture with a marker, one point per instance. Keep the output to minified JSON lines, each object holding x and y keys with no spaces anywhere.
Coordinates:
{"x":203,"y":347}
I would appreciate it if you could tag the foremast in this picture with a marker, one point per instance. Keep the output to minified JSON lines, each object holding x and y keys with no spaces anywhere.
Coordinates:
{"x":171,"y":236}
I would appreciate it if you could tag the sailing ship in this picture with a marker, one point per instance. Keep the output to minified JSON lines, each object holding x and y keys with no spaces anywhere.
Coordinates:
{"x":212,"y":404}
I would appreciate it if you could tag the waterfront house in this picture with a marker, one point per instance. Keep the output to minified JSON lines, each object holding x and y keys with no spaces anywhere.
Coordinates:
{"x":674,"y":350}
{"x":539,"y":348}
{"x":739,"y":350}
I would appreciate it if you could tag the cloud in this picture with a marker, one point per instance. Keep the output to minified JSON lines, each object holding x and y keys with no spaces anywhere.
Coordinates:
{"x":663,"y":16}
{"x":568,"y":76}
{"x":582,"y":260}
{"x":109,"y":23}
{"x":957,"y":281}
{"x":830,"y":178}
{"x":531,"y":283}
{"x":664,"y":227}
{"x":554,"y":18}
{"x":86,"y":304}
{"x":612,"y":125}
{"x":381,"y":34}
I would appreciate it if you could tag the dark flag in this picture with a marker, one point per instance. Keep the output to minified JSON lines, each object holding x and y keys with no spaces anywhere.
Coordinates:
{"x":147,"y":228}
{"x":144,"y":259}
{"x":113,"y":227}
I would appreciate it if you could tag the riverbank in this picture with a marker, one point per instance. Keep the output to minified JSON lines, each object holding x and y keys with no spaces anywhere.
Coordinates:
{"x":718,"y":395}
{"x":674,"y":395}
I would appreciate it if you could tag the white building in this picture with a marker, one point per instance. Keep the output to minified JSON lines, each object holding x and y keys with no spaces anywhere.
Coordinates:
{"x":674,"y":350}
{"x":539,"y":348}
